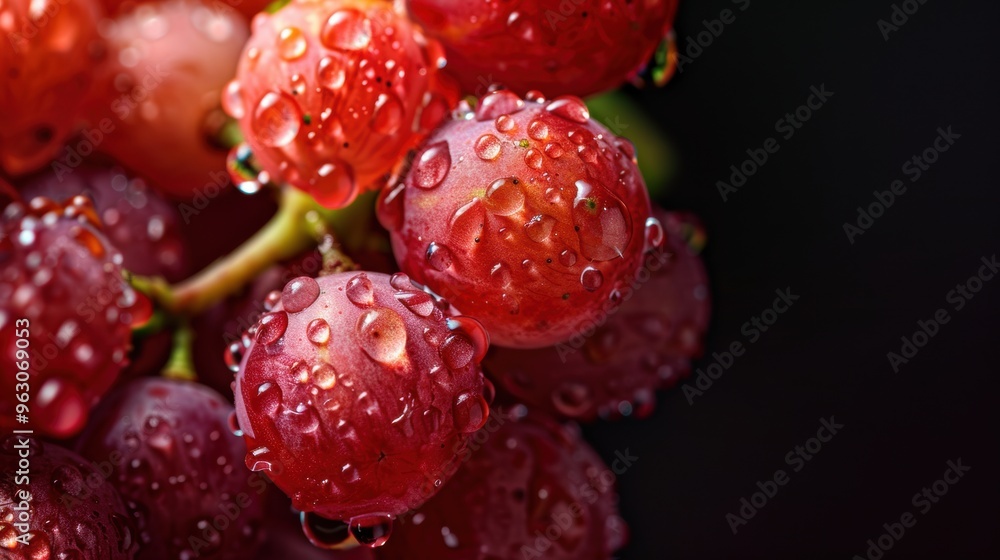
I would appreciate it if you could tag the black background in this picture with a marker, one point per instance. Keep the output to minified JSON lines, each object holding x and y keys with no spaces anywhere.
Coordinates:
{"x":827,"y":355}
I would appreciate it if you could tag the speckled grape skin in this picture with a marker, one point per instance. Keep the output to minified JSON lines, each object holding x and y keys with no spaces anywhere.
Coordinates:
{"x":58,"y":272}
{"x":577,"y":47}
{"x":47,"y":64}
{"x":330,"y":94}
{"x":74,"y":511}
{"x":526,"y":215}
{"x":137,"y":220}
{"x":356,"y":391}
{"x":530,"y":488}
{"x":645,"y":345}
{"x":182,"y":467}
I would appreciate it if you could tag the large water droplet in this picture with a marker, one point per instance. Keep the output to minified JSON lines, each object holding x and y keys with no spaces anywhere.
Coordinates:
{"x":388,"y":114}
{"x":348,"y":30}
{"x":232,"y":100}
{"x":505,"y":123}
{"x":538,"y":130}
{"x":233,"y":355}
{"x":439,"y":257}
{"x":654,"y":233}
{"x":533,"y":158}
{"x":432,"y":166}
{"x":268,"y":398}
{"x":276,"y":119}
{"x":591,"y":278}
{"x":570,"y":108}
{"x":467,"y":223}
{"x":567,"y":257}
{"x":505,"y":196}
{"x":299,"y":294}
{"x":323,"y":375}
{"x":292,"y":43}
{"x":420,"y":303}
{"x":359,"y":290}
{"x":475,"y":332}
{"x":488,"y":147}
{"x":601,"y":222}
{"x":554,"y":150}
{"x":371,"y":530}
{"x":271,"y":327}
{"x":471,"y":412}
{"x":382,"y":335}
{"x":330,"y":72}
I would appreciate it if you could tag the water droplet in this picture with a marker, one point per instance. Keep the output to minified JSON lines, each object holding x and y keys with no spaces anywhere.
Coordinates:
{"x":371,"y":530}
{"x":654,"y":233}
{"x":359,"y":290}
{"x":500,"y":275}
{"x":505,"y":123}
{"x":538,"y":130}
{"x":302,"y":420}
{"x":591,"y":278}
{"x":554,"y":150}
{"x":432,"y":166}
{"x":505,"y":196}
{"x":271,"y":327}
{"x":539,"y":227}
{"x":497,"y":103}
{"x":401,"y":281}
{"x":439,"y":257}
{"x":382,"y":335}
{"x":330,"y":73}
{"x":601,"y":222}
{"x":587,"y":154}
{"x":471,"y":412}
{"x":276,"y":119}
{"x":232,"y":100}
{"x":475,"y":332}
{"x":567,"y":257}
{"x":292,"y":43}
{"x":420,"y":303}
{"x":324,"y":376}
{"x":268,"y":398}
{"x":570,"y":108}
{"x":533,"y":158}
{"x":298,"y":84}
{"x":488,"y":147}
{"x":388,"y":114}
{"x":347,"y":30}
{"x":299,"y":294}
{"x":467,"y":223}
{"x":260,"y":459}
{"x":571,"y":399}
{"x":67,"y":480}
{"x":318,"y":332}
{"x":322,"y":532}
{"x":456,"y":351}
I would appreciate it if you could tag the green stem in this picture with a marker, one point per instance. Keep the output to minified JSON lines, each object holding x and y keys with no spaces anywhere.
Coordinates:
{"x":180,"y":366}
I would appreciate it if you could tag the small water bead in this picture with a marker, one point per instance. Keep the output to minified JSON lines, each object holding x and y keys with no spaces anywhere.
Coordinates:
{"x":439,"y":257}
{"x":323,"y":375}
{"x":359,"y":291}
{"x":474,"y":331}
{"x":371,"y":530}
{"x":587,"y":154}
{"x":591,"y":278}
{"x":505,"y":123}
{"x":232,"y":100}
{"x":348,"y":30}
{"x":268,"y":397}
{"x":302,"y":420}
{"x":298,"y":84}
{"x":535,"y":96}
{"x":554,"y":150}
{"x":498,"y":103}
{"x":505,"y":196}
{"x":401,"y":281}
{"x":533,"y":158}
{"x":420,"y":303}
{"x":322,"y":532}
{"x":538,"y":130}
{"x":471,"y":412}
{"x":233,"y":355}
{"x":299,"y":294}
{"x":271,"y":300}
{"x":271,"y":327}
{"x":500,"y":275}
{"x":567,"y":257}
{"x":259,"y":459}
{"x":432,"y":166}
{"x":318,"y":332}
{"x":276,"y":119}
{"x":488,"y":147}
{"x":292,"y":43}
{"x":570,"y":108}
{"x":539,"y":228}
{"x":330,"y":73}
{"x":654,"y":233}
{"x":382,"y":335}
{"x":388,"y":114}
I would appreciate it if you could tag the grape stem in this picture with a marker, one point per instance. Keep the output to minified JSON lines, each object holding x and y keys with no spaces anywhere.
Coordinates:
{"x":180,"y":366}
{"x":290,"y":232}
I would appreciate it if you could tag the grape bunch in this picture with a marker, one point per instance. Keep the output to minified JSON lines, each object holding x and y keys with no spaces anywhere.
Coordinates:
{"x":462,"y":263}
